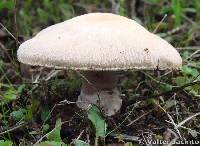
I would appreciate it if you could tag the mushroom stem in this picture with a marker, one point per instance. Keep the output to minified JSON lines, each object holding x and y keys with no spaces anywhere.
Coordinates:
{"x":100,"y":88}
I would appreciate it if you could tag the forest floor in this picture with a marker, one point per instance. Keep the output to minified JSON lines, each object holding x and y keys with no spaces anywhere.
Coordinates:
{"x":37,"y":105}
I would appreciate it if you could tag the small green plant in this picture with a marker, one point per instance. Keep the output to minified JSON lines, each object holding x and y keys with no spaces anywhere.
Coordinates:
{"x":18,"y":105}
{"x":197,"y":4}
{"x":95,"y":116}
{"x":6,"y":143}
{"x":80,"y":143}
{"x":7,"y":4}
{"x":177,"y":10}
{"x":97,"y":120}
{"x":53,"y":137}
{"x":11,"y":93}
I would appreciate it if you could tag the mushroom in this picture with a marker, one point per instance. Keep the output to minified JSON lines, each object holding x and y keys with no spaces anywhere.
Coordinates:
{"x":99,"y":45}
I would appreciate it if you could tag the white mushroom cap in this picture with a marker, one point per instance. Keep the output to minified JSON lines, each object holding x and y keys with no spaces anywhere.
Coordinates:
{"x":99,"y":41}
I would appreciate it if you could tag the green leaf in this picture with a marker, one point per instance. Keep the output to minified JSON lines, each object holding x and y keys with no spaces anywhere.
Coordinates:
{"x":195,"y":72}
{"x":186,"y":70}
{"x":45,"y":113}
{"x":66,"y":10}
{"x":20,"y":88}
{"x":177,"y":9}
{"x":181,"y":80}
{"x":45,"y":128}
{"x":95,"y":116}
{"x":34,"y":105}
{"x":5,"y":143}
{"x":169,"y":103}
{"x":189,"y":71}
{"x":55,"y":134}
{"x":33,"y":132}
{"x":31,"y":109}
{"x":193,"y":92}
{"x":7,"y":4}
{"x":19,"y":114}
{"x":11,"y":94}
{"x":29,"y":113}
{"x":42,"y":15}
{"x":185,"y":55}
{"x":166,"y":88}
{"x":52,"y":143}
{"x":197,"y":9}
{"x":80,"y":143}
{"x":195,"y":88}
{"x":128,"y":144}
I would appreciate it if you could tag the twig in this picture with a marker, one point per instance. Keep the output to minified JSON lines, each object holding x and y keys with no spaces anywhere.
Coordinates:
{"x":172,"y":120}
{"x":48,"y":77}
{"x":135,"y":105}
{"x":79,"y":136}
{"x":177,"y":113}
{"x":36,"y":80}
{"x":52,"y":74}
{"x":125,"y":137}
{"x":143,"y":115}
{"x":4,"y":76}
{"x":44,"y":137}
{"x":165,"y":74}
{"x":15,"y":23}
{"x":9,"y":33}
{"x":187,"y":119}
{"x":191,"y":56}
{"x":189,"y":48}
{"x":190,"y":129}
{"x":149,"y":76}
{"x":7,"y":54}
{"x":49,"y":133}
{"x":52,"y":109}
{"x":171,"y":32}
{"x":184,"y":127}
{"x":188,"y":19}
{"x":5,"y":51}
{"x":193,"y":65}
{"x":177,"y":88}
{"x":80,"y":74}
{"x":13,"y":128}
{"x":155,"y":30}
